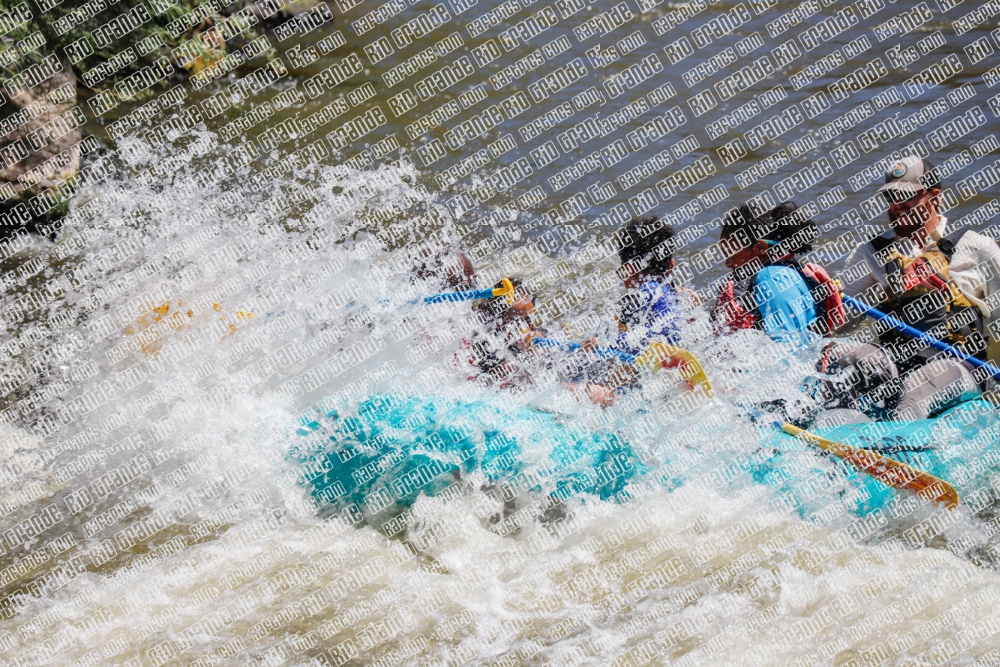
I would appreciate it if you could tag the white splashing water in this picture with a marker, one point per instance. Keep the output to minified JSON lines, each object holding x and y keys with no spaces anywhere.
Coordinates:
{"x":195,"y":328}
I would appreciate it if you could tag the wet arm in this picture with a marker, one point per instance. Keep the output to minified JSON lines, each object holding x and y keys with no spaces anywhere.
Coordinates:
{"x":860,"y":265}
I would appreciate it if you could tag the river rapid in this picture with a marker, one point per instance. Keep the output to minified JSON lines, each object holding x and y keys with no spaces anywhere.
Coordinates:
{"x":200,"y":345}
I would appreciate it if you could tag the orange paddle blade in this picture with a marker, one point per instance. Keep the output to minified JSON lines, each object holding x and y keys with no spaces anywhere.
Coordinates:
{"x":891,"y":473}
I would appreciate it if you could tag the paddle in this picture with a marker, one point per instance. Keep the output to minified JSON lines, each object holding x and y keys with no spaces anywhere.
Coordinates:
{"x":891,"y":473}
{"x":902,"y":327}
{"x":657,"y":355}
{"x":506,"y":290}
{"x":662,"y":355}
{"x":605,"y":352}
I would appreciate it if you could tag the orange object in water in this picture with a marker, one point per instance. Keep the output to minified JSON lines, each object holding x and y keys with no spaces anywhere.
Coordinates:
{"x":170,"y":313}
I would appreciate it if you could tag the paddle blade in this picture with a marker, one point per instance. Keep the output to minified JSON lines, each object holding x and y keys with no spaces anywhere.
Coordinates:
{"x":661,"y":355}
{"x":891,"y":473}
{"x":507,"y":290}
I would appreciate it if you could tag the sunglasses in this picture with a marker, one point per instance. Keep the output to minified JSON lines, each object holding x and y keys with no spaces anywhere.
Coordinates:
{"x":898,"y":197}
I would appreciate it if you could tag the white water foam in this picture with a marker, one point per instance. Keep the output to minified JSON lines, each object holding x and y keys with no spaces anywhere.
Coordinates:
{"x":182,"y":533}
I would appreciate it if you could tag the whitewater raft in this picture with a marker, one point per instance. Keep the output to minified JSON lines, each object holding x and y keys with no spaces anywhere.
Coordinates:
{"x":390,"y":449}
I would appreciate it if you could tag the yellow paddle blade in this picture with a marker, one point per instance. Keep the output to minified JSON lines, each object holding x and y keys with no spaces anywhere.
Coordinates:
{"x":891,"y":473}
{"x":661,"y":355}
{"x":507,"y":290}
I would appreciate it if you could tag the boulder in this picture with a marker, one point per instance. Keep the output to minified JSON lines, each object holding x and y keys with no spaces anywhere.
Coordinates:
{"x":40,"y":141}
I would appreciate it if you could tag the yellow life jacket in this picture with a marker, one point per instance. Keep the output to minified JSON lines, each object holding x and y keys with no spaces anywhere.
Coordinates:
{"x":923,"y":294}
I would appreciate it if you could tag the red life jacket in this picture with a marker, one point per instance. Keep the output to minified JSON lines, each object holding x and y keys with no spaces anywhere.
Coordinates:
{"x":827,"y":296}
{"x":729,"y":313}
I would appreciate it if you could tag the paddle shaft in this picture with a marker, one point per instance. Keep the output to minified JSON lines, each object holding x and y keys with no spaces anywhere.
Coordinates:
{"x":902,"y":327}
{"x":606,"y":352}
{"x":460,"y":296}
{"x":505,"y":290}
{"x":446,"y":297}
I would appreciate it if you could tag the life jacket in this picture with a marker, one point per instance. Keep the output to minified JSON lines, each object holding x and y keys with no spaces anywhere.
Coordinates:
{"x":783,"y":299}
{"x":652,"y":310}
{"x":922,"y":294}
{"x":494,"y":360}
{"x":826,"y":294}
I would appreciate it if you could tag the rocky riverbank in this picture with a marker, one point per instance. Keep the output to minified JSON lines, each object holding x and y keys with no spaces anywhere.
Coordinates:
{"x":43,"y":122}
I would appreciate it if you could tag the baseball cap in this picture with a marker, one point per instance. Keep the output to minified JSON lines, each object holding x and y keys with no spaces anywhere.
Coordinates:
{"x":910,"y":175}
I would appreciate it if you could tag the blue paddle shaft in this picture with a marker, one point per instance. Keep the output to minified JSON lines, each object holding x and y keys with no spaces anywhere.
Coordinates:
{"x":459,"y":296}
{"x":606,"y":352}
{"x":902,"y":327}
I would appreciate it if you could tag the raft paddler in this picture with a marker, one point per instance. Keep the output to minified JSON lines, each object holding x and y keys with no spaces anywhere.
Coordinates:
{"x":651,"y":313}
{"x":769,"y":289}
{"x":651,"y":304}
{"x":649,"y":310}
{"x":924,"y":273}
{"x":445,"y":267}
{"x":938,"y":280}
{"x":497,"y":351}
{"x":494,"y":352}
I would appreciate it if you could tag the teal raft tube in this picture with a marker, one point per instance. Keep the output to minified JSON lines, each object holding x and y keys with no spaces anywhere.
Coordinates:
{"x":960,"y":446}
{"x":390,"y":449}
